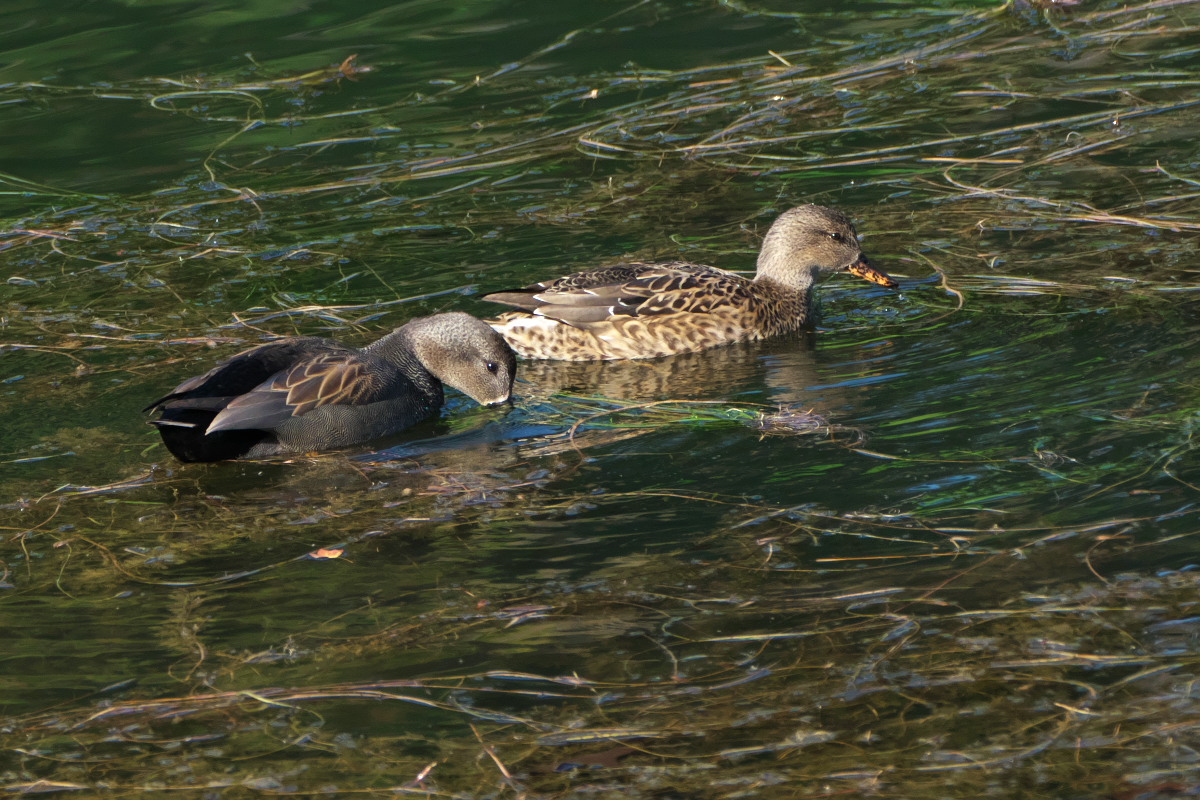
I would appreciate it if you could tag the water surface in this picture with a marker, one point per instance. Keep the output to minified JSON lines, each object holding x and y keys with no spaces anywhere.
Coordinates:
{"x":943,"y":547}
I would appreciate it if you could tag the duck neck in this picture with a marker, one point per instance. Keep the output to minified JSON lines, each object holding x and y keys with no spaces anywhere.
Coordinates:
{"x":785,"y":278}
{"x":777,"y":263}
{"x":780,"y":275}
{"x":404,"y":351}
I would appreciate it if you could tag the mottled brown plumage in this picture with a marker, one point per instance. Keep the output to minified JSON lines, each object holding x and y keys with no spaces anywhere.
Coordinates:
{"x":645,"y":310}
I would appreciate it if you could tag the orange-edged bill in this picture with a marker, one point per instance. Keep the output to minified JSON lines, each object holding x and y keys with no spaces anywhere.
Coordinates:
{"x":863,"y":269}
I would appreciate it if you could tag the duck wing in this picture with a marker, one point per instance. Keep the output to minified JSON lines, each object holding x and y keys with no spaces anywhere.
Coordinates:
{"x":239,"y":374}
{"x":626,"y":291}
{"x":336,"y":376}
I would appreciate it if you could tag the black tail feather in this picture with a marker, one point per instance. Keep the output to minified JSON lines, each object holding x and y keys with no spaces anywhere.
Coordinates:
{"x":182,"y":431}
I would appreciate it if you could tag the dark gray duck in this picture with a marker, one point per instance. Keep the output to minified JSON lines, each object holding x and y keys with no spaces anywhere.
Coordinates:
{"x":303,"y":394}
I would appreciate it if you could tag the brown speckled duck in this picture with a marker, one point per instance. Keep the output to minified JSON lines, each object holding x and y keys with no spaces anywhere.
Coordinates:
{"x":302,"y":394}
{"x":646,"y":310}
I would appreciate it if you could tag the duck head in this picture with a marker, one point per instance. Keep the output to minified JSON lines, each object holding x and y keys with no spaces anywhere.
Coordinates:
{"x":808,"y":242}
{"x":465,"y":353}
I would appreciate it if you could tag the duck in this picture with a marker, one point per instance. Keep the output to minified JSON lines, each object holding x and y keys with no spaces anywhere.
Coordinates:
{"x":640,"y":309}
{"x":303,"y":394}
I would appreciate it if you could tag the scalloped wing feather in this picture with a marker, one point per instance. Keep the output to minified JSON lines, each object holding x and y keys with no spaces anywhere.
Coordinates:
{"x":638,"y":291}
{"x":238,"y":374}
{"x":343,"y":377}
{"x":611,"y":275}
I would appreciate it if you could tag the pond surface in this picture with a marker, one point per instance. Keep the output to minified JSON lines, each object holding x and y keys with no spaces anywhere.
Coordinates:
{"x":943,"y":547}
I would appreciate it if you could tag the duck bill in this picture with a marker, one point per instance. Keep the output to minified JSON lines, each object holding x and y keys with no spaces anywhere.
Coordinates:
{"x":493,"y":400}
{"x":863,"y":269}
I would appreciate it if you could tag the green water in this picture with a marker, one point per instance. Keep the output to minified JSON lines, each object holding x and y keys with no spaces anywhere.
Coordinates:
{"x":946,"y":547}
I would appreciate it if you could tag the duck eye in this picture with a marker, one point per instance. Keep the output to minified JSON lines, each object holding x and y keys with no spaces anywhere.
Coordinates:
{"x":837,"y":237}
{"x":492,"y":366}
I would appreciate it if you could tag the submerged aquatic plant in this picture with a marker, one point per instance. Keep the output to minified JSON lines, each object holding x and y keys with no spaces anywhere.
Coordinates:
{"x":947,"y":552}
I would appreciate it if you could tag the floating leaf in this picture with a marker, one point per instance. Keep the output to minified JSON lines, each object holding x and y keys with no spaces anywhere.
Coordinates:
{"x":326,"y":552}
